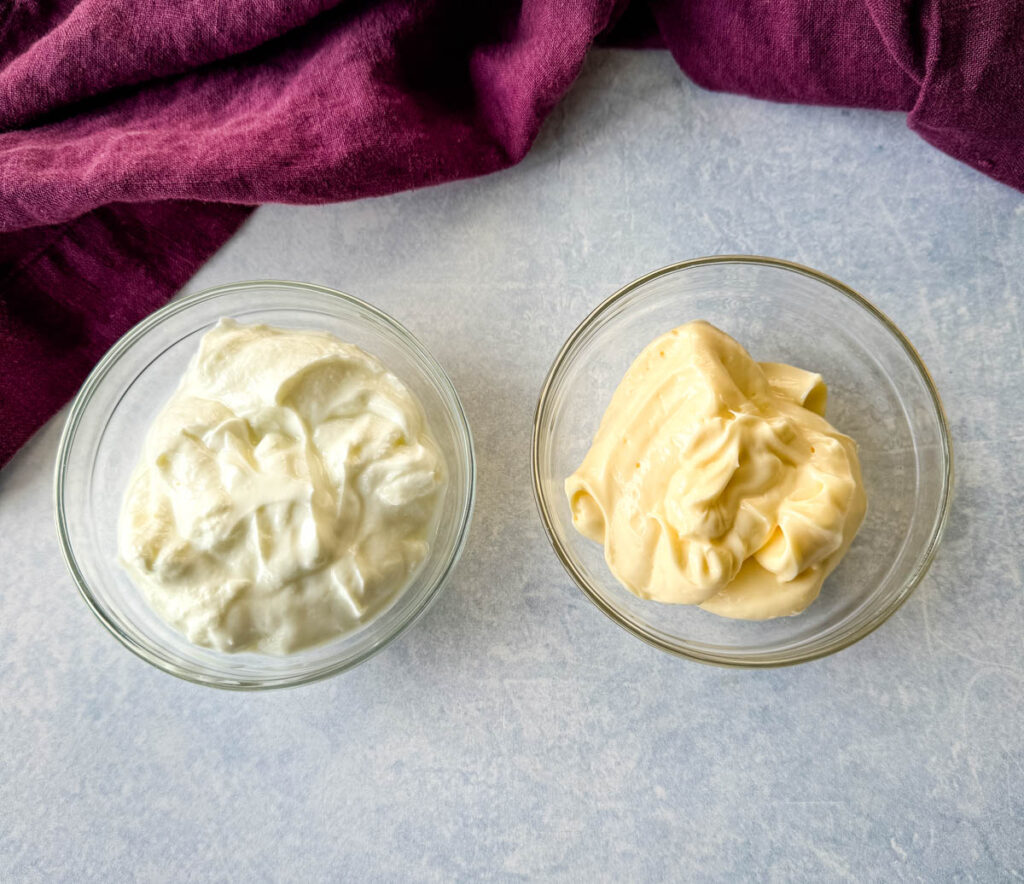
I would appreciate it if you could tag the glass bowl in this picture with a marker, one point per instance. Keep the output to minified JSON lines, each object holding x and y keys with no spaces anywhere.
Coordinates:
{"x":879,"y":393}
{"x":103,"y":438}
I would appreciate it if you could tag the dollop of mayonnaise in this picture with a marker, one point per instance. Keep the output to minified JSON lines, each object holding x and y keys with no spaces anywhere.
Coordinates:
{"x":285,"y":494}
{"x":716,"y":481}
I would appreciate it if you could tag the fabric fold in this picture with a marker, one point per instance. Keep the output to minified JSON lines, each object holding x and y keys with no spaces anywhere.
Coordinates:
{"x":69,"y":291}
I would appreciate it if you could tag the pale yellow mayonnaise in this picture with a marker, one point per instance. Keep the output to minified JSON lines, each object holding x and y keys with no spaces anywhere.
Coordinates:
{"x":714,"y":480}
{"x":285,"y":494}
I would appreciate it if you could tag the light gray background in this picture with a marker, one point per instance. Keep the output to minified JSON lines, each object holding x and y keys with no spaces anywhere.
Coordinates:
{"x":516,"y":732}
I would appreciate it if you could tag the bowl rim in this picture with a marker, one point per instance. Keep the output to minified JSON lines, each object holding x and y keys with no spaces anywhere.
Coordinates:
{"x":79,"y":408}
{"x":767,"y":660}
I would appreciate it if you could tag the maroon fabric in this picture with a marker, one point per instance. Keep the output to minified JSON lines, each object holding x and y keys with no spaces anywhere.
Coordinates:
{"x":68,"y":291}
{"x":134,"y":135}
{"x":956,"y":67}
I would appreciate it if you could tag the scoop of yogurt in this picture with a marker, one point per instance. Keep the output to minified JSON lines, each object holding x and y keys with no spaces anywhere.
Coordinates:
{"x":716,"y":481}
{"x":285,"y":495}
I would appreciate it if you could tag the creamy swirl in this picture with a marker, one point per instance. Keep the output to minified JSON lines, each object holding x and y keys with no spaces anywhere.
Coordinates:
{"x":285,"y":494}
{"x":716,"y":481}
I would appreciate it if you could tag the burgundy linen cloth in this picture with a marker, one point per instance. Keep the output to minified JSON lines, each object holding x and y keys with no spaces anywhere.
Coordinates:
{"x":136,"y":135}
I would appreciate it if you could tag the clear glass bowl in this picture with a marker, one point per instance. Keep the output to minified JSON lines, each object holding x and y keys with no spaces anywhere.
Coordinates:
{"x":879,"y":393}
{"x":109,"y":420}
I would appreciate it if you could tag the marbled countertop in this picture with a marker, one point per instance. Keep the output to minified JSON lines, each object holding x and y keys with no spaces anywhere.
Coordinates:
{"x":515,"y":731}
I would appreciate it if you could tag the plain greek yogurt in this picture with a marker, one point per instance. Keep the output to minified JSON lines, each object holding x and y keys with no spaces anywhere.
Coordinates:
{"x":285,"y":495}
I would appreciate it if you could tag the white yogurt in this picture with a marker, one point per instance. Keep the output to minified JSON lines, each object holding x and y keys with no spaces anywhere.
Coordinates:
{"x":285,"y":494}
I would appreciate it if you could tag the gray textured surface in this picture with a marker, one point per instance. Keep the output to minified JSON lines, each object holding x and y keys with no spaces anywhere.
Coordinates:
{"x":515,"y":731}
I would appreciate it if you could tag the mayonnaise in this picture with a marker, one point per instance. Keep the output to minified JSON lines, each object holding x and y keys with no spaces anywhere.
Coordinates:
{"x":285,"y":494}
{"x":716,"y":481}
